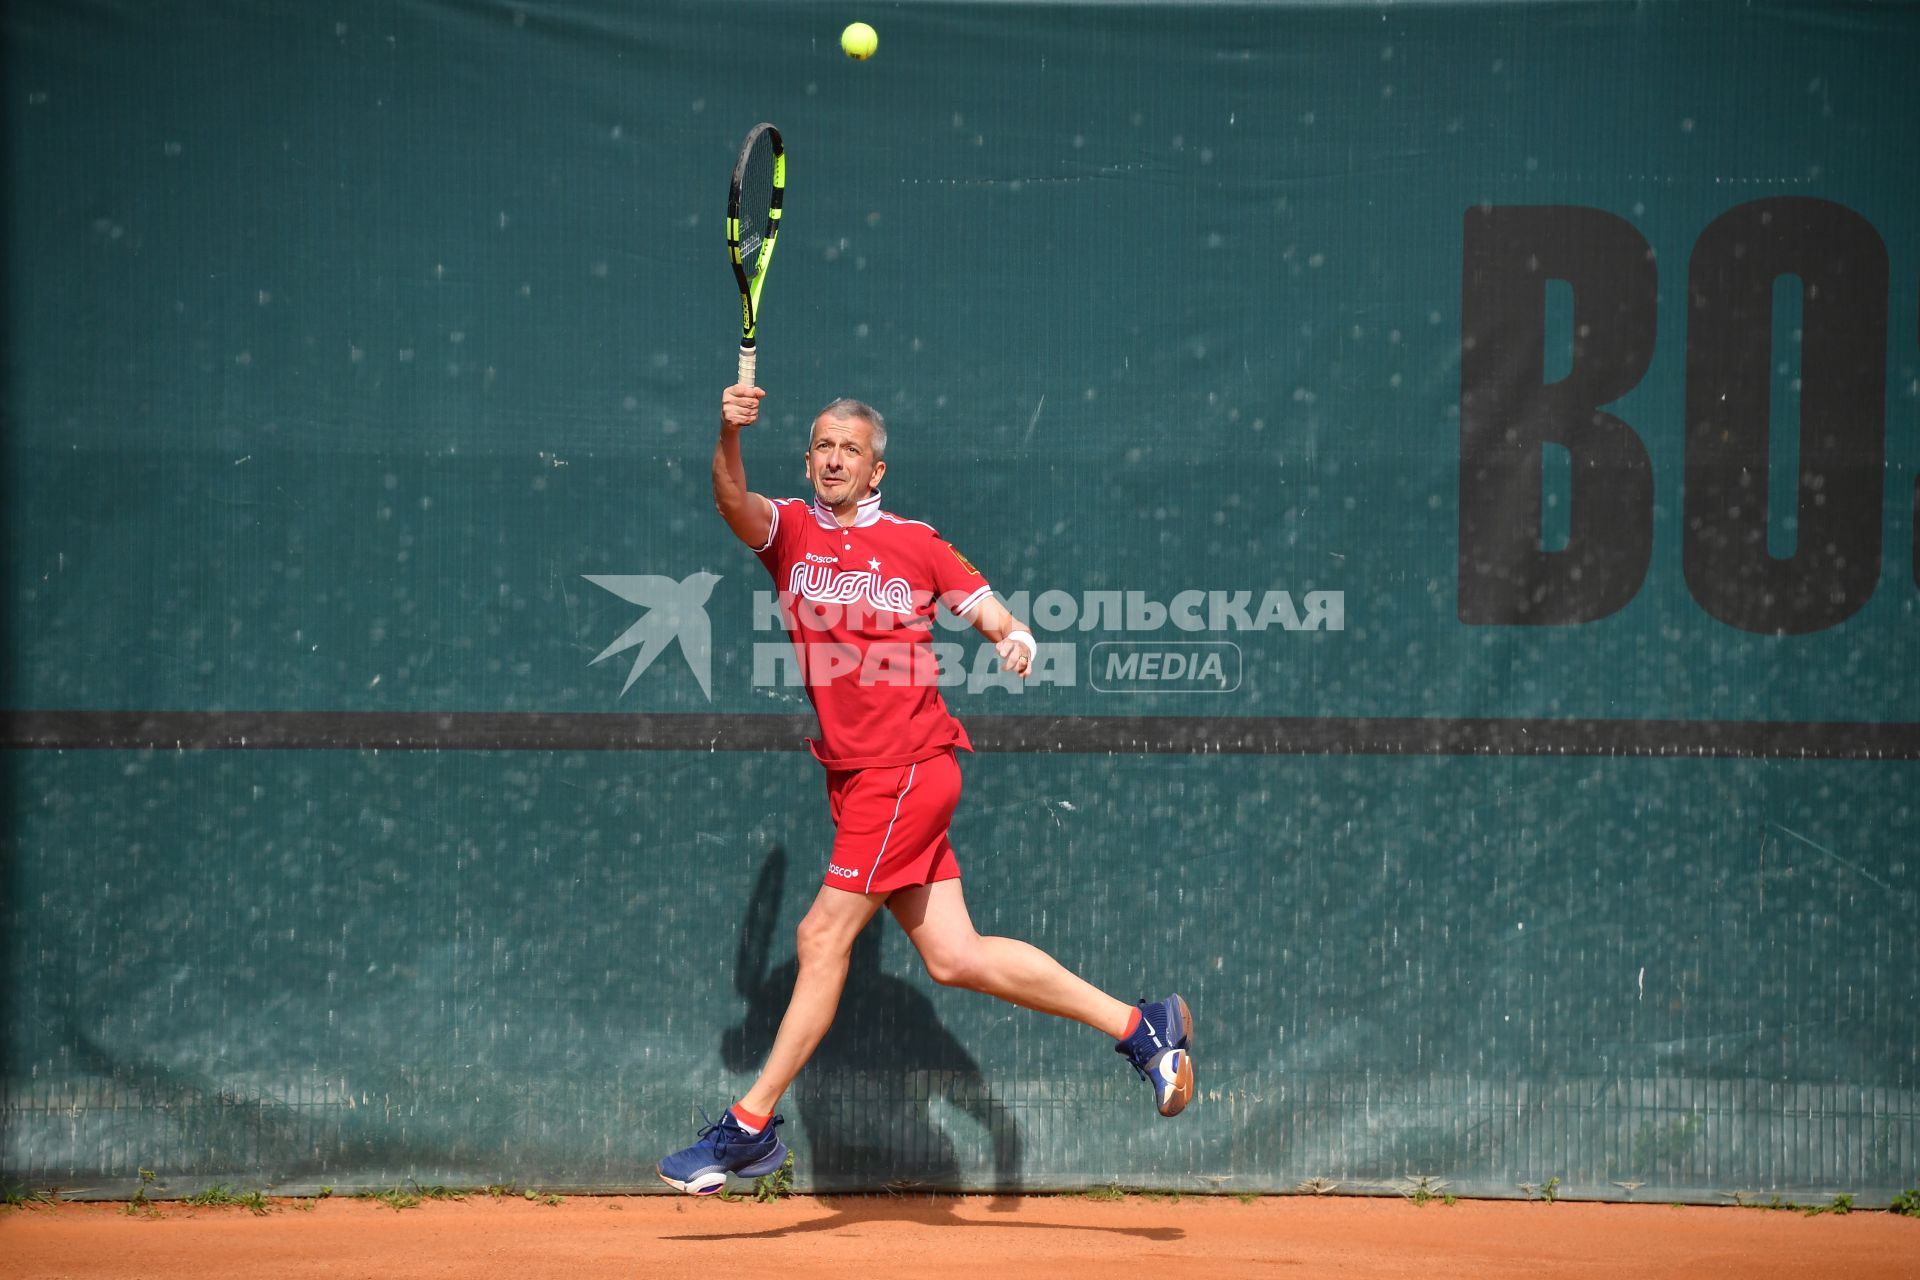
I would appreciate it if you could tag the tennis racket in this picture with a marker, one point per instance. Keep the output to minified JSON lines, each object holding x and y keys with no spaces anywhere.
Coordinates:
{"x":753,"y":224}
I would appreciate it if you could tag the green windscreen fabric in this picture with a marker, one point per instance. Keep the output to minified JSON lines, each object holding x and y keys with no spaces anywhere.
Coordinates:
{"x":1458,"y":461}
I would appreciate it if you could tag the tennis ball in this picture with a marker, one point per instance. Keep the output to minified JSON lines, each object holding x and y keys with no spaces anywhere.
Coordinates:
{"x":859,"y":40}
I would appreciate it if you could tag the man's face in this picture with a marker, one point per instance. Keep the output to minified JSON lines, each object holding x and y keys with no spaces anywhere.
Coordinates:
{"x":840,"y":461}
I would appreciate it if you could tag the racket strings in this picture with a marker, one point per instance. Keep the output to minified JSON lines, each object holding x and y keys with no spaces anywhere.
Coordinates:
{"x":756,"y":203}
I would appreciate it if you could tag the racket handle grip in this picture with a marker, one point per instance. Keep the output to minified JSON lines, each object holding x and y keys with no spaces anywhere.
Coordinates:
{"x":749,"y":357}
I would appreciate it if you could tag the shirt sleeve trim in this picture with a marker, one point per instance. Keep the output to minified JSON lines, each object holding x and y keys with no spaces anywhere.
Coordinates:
{"x":972,"y":602}
{"x":773,"y":526}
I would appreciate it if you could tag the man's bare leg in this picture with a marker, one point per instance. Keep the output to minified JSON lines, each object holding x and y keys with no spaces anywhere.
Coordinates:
{"x":824,"y":944}
{"x":935,"y":918}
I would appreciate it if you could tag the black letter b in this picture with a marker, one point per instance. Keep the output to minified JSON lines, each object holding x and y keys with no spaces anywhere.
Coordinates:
{"x":1508,"y":411}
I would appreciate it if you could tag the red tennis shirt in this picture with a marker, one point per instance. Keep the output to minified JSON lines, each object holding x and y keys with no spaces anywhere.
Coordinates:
{"x":858,"y":603}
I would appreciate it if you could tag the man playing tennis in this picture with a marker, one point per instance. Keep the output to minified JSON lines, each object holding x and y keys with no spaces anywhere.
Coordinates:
{"x":858,"y":588}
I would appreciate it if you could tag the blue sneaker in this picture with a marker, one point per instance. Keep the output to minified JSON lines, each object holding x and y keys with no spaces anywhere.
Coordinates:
{"x":724,"y":1148}
{"x":1161,"y":1050}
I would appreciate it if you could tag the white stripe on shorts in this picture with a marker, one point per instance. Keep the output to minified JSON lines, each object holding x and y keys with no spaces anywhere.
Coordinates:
{"x":881,"y":856}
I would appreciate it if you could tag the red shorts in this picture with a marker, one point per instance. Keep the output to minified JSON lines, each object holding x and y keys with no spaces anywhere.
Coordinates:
{"x":891,"y":825}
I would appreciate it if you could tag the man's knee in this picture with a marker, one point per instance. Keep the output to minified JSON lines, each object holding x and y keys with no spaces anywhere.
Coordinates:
{"x":954,"y":964}
{"x":825,"y":938}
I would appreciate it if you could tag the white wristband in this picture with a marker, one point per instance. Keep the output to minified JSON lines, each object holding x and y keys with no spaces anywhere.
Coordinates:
{"x":1025,"y":638}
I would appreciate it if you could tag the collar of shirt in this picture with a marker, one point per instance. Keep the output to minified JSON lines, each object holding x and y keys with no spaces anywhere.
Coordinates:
{"x":867,"y":513}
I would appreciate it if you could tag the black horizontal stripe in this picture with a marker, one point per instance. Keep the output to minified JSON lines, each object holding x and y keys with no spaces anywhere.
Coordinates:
{"x":1085,"y":735}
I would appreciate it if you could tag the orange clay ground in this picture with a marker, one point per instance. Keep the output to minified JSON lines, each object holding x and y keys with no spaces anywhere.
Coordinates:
{"x":967,"y":1238}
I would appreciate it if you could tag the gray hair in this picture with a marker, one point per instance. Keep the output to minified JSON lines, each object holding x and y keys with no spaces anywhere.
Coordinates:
{"x":845,"y":408}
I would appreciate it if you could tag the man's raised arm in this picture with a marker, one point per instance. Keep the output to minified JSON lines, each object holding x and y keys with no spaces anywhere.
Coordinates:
{"x":749,"y":515}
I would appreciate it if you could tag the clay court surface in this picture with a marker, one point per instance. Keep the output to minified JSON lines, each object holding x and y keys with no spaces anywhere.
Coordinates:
{"x":878,"y":1237}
